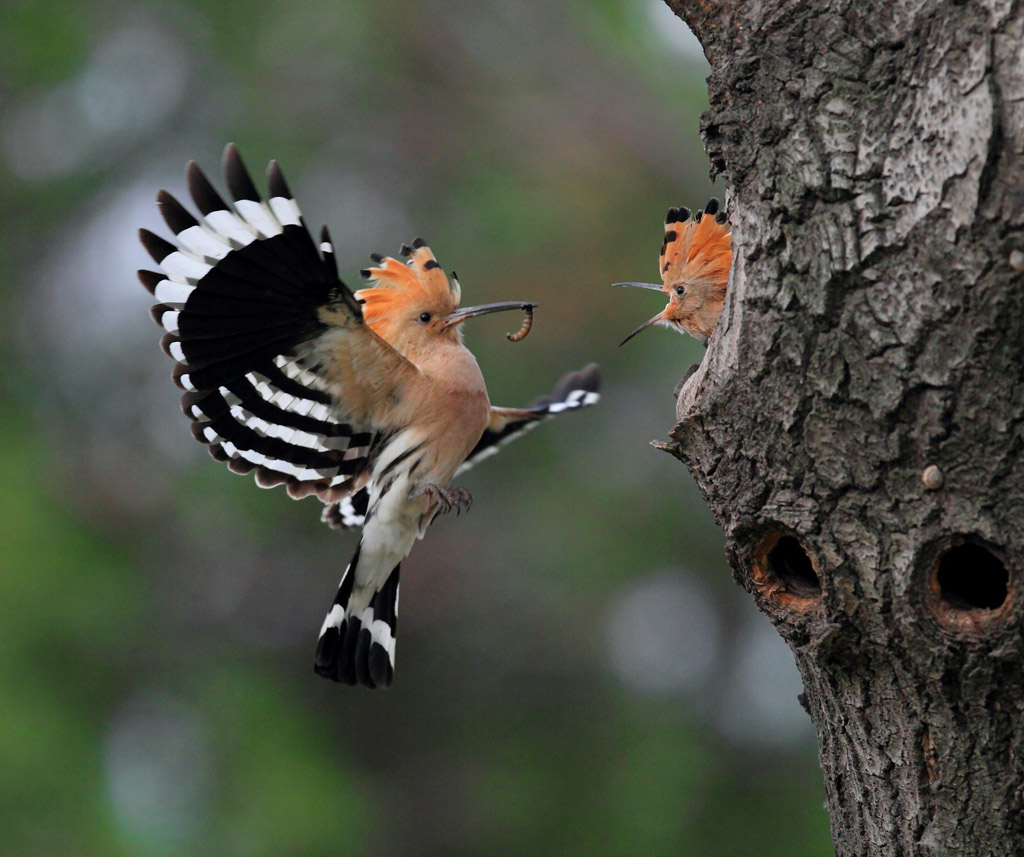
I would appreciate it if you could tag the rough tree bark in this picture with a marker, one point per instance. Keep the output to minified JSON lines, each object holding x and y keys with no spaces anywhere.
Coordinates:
{"x":857,"y":423}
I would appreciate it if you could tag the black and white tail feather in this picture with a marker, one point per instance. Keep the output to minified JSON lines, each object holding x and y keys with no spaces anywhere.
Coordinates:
{"x":357,"y":646}
{"x":239,"y":297}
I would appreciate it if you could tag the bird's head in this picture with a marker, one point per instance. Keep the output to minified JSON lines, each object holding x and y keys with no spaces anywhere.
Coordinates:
{"x":696,"y":254}
{"x":413,"y":305}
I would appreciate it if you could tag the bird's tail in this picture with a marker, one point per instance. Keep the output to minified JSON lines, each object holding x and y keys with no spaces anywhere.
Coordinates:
{"x":357,"y":644}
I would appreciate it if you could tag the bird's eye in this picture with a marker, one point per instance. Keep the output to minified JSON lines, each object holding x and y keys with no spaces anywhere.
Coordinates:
{"x":424,"y":317}
{"x":680,"y":290}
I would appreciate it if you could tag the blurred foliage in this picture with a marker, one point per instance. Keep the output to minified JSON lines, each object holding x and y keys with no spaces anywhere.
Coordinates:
{"x":159,"y":613}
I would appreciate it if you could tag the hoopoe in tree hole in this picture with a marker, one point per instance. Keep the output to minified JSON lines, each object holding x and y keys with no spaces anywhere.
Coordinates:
{"x":694,"y":265}
{"x":367,"y":400}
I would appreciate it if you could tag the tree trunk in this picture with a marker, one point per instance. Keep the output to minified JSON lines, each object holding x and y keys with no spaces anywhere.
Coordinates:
{"x":857,"y":423}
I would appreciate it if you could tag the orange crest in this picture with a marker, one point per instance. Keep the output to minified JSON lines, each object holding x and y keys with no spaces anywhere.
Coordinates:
{"x":397,"y":286}
{"x":696,"y":249}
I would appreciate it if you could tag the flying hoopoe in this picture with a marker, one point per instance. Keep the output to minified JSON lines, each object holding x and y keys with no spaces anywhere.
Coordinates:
{"x":368,"y":400}
{"x":694,"y":265}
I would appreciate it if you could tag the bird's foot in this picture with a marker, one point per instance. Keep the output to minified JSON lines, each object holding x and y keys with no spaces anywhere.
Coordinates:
{"x":446,"y":499}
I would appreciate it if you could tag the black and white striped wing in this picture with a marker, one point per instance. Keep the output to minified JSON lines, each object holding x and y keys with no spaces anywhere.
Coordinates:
{"x":574,"y":391}
{"x":239,"y":300}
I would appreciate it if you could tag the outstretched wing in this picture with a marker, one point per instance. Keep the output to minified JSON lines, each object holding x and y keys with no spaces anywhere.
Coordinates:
{"x":575,"y":390}
{"x":248,"y":301}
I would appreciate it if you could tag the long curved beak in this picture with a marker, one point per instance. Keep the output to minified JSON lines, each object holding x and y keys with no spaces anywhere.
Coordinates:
{"x":643,"y":326}
{"x":460,"y":315}
{"x":641,"y":286}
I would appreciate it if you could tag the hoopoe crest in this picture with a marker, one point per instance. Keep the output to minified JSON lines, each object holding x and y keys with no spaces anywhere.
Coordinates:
{"x":367,"y":400}
{"x":694,"y":265}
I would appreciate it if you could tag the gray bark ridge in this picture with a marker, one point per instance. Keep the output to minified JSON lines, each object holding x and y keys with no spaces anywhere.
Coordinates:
{"x":857,"y":423}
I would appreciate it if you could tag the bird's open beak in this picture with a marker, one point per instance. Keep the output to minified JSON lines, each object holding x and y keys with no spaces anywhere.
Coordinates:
{"x":643,"y":326}
{"x":641,"y":286}
{"x":649,"y":322}
{"x":460,"y":315}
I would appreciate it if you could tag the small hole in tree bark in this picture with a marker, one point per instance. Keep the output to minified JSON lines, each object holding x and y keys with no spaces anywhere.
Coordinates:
{"x":969,"y":587}
{"x":971,"y":578}
{"x":784,"y":573}
{"x":791,"y":565}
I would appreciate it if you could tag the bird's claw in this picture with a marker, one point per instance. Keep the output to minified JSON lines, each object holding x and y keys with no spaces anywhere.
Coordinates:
{"x":446,"y":499}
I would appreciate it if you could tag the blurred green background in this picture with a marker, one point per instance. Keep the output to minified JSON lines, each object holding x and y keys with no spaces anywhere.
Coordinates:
{"x":577,"y":671}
